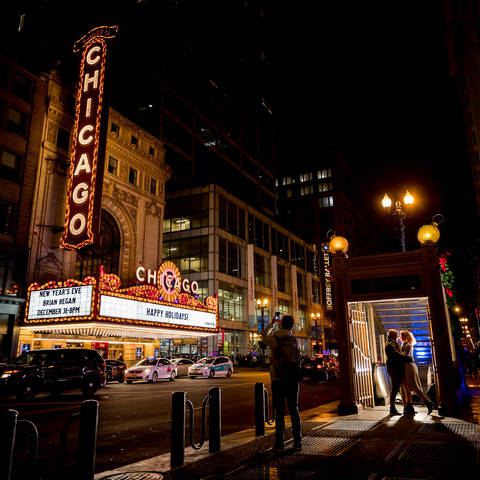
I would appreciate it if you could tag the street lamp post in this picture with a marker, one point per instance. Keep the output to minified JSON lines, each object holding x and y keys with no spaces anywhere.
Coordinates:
{"x":262,"y":305}
{"x":400,"y":214}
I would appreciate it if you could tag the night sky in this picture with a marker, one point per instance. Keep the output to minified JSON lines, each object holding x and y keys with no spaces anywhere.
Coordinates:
{"x":368,"y":77}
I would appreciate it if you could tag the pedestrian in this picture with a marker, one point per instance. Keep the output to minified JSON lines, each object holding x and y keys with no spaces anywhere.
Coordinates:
{"x":411,"y":381}
{"x":285,"y":375}
{"x":395,"y":368}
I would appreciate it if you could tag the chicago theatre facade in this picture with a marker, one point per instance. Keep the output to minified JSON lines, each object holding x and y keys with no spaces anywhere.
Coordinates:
{"x":100,"y":296}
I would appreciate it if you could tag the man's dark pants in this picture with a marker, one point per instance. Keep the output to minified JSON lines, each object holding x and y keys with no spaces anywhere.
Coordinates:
{"x":286,"y":389}
{"x":396,"y":375}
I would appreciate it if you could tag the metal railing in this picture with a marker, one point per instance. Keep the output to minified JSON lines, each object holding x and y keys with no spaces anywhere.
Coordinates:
{"x":179,"y":406}
{"x":86,"y":447}
{"x":262,"y":413}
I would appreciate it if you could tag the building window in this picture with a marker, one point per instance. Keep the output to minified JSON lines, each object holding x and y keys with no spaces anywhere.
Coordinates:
{"x":306,"y":177}
{"x":112,"y":165}
{"x":262,"y":270}
{"x":107,"y":253}
{"x":241,"y":223}
{"x":134,"y":141}
{"x":115,"y":128}
{"x":151,"y":151}
{"x":63,"y":139}
{"x":306,"y":189}
{"x":325,"y":173}
{"x":230,"y":302}
{"x":153,"y":186}
{"x":7,"y":213}
{"x":16,"y":121}
{"x":186,"y":213}
{"x":132,"y":176}
{"x":10,"y":164}
{"x":325,"y":187}
{"x":283,"y":279}
{"x":190,"y":254}
{"x":232,"y":217}
{"x":230,"y":258}
{"x":325,"y":202}
{"x":222,"y":212}
{"x":21,"y":86}
{"x":301,"y":285}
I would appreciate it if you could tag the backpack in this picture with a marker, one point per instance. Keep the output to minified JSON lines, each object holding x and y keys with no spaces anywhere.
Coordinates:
{"x":287,"y":358}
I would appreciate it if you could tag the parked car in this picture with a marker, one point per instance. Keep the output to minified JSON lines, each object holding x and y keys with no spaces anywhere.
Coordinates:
{"x":151,"y":369}
{"x":182,"y":365}
{"x":115,"y":370}
{"x":211,"y":367}
{"x":53,"y":370}
{"x":314,"y":368}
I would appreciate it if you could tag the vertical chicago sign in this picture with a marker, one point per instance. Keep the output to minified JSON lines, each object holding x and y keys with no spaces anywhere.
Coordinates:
{"x":82,"y":216}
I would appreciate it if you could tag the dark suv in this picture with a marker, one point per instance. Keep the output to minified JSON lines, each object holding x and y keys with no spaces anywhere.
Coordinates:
{"x":54,"y":371}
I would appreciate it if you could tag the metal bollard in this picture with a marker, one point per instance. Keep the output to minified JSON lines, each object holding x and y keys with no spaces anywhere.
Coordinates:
{"x":215,"y":420}
{"x":87,"y":439}
{"x":259,"y":409}
{"x":8,"y":420}
{"x":177,"y":445}
{"x":28,"y":425}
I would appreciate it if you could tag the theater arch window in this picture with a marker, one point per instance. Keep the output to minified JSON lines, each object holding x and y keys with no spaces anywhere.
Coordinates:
{"x":107,"y":253}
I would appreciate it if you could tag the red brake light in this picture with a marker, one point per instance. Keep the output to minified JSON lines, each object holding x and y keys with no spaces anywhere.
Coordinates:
{"x":168,"y":369}
{"x":319,"y":367}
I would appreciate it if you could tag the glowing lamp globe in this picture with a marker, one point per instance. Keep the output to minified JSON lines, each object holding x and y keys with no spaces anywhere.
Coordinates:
{"x":428,"y":234}
{"x":338,"y":244}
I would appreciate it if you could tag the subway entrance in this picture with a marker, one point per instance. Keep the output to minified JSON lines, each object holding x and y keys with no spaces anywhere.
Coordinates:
{"x":370,"y":321}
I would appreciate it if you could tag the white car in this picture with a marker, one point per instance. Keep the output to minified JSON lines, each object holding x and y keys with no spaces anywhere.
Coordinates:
{"x":211,"y":367}
{"x":151,"y":369}
{"x":182,"y":365}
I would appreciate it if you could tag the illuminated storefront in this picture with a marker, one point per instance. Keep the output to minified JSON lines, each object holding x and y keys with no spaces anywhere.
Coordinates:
{"x":131,"y":322}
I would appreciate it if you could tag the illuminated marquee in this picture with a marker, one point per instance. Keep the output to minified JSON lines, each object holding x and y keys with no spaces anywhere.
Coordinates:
{"x":168,"y":280}
{"x":82,"y":214}
{"x":102,"y":300}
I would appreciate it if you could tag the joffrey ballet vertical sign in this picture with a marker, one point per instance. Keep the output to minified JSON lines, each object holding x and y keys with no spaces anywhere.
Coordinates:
{"x":82,"y":216}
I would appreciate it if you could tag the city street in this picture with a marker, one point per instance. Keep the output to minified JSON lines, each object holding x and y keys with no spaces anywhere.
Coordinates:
{"x":134,"y":420}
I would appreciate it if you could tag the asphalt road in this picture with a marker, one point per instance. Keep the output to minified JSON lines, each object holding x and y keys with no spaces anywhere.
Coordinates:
{"x":134,"y":420}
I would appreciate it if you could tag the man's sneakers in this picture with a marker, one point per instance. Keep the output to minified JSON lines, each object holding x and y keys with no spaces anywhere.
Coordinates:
{"x":297,"y":447}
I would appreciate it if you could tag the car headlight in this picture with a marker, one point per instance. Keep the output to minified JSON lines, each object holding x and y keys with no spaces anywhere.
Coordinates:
{"x":147,"y":370}
{"x":7,"y":373}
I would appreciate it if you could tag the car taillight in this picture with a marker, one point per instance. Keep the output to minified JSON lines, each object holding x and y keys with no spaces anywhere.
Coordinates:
{"x":319,"y":367}
{"x":168,"y":369}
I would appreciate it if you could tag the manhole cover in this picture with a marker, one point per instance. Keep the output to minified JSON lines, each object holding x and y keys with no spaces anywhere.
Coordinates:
{"x":450,"y":427}
{"x":330,"y":446}
{"x":360,"y":426}
{"x":135,"y":476}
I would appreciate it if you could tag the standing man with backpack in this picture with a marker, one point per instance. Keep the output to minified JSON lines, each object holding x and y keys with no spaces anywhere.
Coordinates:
{"x":285,"y":373}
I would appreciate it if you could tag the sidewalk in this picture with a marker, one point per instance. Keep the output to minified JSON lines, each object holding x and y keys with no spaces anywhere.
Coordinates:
{"x":371,"y":445}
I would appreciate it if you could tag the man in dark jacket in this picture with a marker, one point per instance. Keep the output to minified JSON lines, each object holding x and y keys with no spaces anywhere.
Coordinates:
{"x":285,"y":376}
{"x":395,"y":368}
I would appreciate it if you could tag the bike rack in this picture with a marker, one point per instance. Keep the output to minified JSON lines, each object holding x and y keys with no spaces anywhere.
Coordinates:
{"x":262,"y":413}
{"x":87,"y":441}
{"x":179,"y":405}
